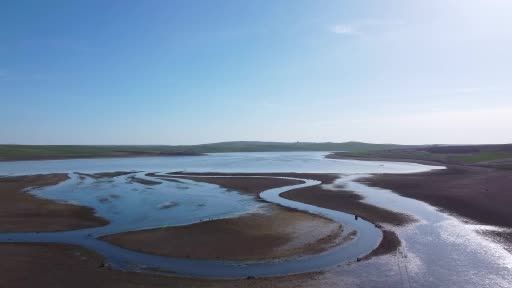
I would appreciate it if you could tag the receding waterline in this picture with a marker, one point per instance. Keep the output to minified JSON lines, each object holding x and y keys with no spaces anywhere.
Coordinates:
{"x":116,"y":211}
{"x":368,"y":237}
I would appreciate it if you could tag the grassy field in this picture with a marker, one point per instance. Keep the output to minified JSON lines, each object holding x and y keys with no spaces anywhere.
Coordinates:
{"x":34,"y":152}
{"x":255,"y":146}
{"x":490,"y":155}
{"x":482,"y":155}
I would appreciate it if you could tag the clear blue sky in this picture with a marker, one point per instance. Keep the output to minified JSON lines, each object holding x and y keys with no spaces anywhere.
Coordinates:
{"x":185,"y":72}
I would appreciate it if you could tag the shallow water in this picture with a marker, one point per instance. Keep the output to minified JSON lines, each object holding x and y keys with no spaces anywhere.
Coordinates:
{"x":219,"y":162}
{"x":368,"y":236}
{"x":132,"y":206}
{"x":438,"y":250}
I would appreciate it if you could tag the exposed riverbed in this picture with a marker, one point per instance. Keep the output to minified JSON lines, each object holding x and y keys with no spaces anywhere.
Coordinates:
{"x":446,"y":258}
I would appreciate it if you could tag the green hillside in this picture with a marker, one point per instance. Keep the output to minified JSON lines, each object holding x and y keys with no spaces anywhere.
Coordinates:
{"x":34,"y":152}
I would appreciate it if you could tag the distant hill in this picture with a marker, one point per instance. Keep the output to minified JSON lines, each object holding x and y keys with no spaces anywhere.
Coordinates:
{"x":40,"y":152}
{"x":488,"y":155}
{"x":257,"y":146}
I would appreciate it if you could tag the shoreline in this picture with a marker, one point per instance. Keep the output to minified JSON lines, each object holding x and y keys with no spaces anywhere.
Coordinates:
{"x":63,"y":265}
{"x":339,"y":200}
{"x":342,"y":156}
{"x":350,"y":203}
{"x":370,"y":237}
{"x":475,"y":193}
{"x":468,"y":192}
{"x":21,"y":211}
{"x":275,"y":233}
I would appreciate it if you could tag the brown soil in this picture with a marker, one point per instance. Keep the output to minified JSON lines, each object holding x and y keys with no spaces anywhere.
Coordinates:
{"x":502,"y":237}
{"x":105,"y":174}
{"x":481,"y":194}
{"x":348,"y":202}
{"x":388,"y":245}
{"x":276,"y":234}
{"x":112,"y":174}
{"x":53,"y":265}
{"x":323,"y":177}
{"x":22,"y":212}
{"x":344,"y":201}
{"x":246,"y":185}
{"x":144,"y":181}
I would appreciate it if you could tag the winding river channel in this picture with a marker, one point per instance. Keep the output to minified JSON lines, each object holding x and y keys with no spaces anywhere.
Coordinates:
{"x":131,"y":206}
{"x":368,"y":237}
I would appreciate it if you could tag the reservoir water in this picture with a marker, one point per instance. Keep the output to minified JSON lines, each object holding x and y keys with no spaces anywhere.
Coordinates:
{"x":436,"y":251}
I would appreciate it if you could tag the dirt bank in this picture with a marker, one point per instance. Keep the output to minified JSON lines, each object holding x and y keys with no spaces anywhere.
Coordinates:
{"x":323,"y":177}
{"x":344,"y":201}
{"x":245,"y":185}
{"x":478,"y":193}
{"x":52,"y":265}
{"x":389,"y":244}
{"x":22,"y":212}
{"x":275,"y":233}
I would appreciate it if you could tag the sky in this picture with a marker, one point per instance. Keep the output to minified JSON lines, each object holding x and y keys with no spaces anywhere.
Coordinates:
{"x":197,"y":71}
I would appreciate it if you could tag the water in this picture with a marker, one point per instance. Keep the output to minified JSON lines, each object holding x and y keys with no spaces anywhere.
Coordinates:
{"x":219,"y":162}
{"x":132,"y":206}
{"x":368,"y":237}
{"x":438,"y":250}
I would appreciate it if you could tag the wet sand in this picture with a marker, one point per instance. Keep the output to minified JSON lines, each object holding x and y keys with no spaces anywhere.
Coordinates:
{"x":143,"y":181}
{"x":23,"y":212}
{"x":389,"y":245}
{"x":323,"y":177}
{"x":68,"y":266}
{"x":245,"y":185}
{"x":275,"y":233}
{"x":478,"y":193}
{"x":55,"y":265}
{"x":347,"y":201}
{"x":504,"y":238}
{"x":111,"y":174}
{"x":344,"y":201}
{"x":350,"y":202}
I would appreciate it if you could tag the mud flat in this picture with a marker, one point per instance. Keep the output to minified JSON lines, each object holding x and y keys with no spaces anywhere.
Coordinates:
{"x":481,"y":194}
{"x":478,"y":192}
{"x":319,"y":195}
{"x":55,"y":265}
{"x":22,"y":212}
{"x":242,"y":184}
{"x":103,"y":175}
{"x":276,"y":232}
{"x":348,"y":202}
{"x":340,"y":200}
